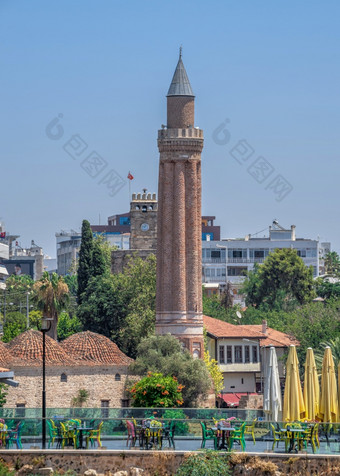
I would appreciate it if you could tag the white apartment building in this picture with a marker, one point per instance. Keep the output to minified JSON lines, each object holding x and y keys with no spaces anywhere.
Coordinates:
{"x":230,"y":259}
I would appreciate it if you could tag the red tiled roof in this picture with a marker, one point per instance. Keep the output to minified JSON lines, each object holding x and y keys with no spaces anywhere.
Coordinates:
{"x":5,"y":356}
{"x":276,"y":338}
{"x":91,"y":347}
{"x":219,"y":328}
{"x":273,"y":337}
{"x":26,"y":349}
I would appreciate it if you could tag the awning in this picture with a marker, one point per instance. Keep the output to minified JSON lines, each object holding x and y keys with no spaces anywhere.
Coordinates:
{"x":3,"y":270}
{"x":233,"y":399}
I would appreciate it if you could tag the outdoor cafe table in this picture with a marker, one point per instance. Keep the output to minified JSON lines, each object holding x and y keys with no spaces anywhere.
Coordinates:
{"x":295,"y":433}
{"x":225,"y":435}
{"x":82,"y":430}
{"x":144,"y":437}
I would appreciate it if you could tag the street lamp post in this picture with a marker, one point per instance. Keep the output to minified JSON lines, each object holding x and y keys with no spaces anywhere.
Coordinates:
{"x":45,"y":327}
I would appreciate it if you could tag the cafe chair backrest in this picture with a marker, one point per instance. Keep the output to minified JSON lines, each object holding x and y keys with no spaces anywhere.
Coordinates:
{"x":155,"y":424}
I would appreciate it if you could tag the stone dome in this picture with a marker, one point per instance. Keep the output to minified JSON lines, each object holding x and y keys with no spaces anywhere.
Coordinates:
{"x":91,"y":347}
{"x":5,"y":356}
{"x":27,"y":348}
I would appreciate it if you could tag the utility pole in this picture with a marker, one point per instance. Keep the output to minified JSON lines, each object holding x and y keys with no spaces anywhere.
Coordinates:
{"x":27,"y":311}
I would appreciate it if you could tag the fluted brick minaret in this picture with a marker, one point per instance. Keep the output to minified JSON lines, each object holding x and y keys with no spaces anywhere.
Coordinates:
{"x":179,"y":267}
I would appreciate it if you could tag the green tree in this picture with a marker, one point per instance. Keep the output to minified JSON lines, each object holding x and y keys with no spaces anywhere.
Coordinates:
{"x":326,"y":289}
{"x":282,"y":280}
{"x":14,"y":325}
{"x":334,"y":344}
{"x":3,"y":394}
{"x":215,"y":372}
{"x":156,"y":390}
{"x":68,"y":325}
{"x":101,"y":256}
{"x":35,"y":318}
{"x":18,"y":289}
{"x":164,"y":354}
{"x":72,"y":282}
{"x":85,"y":259}
{"x":332,"y":264}
{"x":51,"y":295}
{"x":122,"y":306}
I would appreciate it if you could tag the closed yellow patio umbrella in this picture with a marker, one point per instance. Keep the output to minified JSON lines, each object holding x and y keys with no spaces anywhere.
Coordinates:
{"x":293,"y":404}
{"x":328,"y":411}
{"x":311,"y":389}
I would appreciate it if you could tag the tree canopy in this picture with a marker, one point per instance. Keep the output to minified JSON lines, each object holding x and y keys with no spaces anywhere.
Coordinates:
{"x":282,"y":279}
{"x":164,"y":354}
{"x":85,"y":259}
{"x":122,"y":306}
{"x":51,"y":295}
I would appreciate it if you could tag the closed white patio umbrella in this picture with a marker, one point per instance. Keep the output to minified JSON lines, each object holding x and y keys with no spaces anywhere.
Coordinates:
{"x":272,"y":403}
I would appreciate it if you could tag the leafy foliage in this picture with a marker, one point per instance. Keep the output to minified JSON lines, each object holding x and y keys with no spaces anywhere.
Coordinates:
{"x":156,"y":390}
{"x":72,"y":282}
{"x":51,"y":295}
{"x":327,"y":290}
{"x":215,"y":372}
{"x":68,"y":325}
{"x":14,"y":325}
{"x":332,"y":264}
{"x":282,"y":279}
{"x":164,"y":354}
{"x":81,"y":398}
{"x":206,"y":463}
{"x":85,"y":259}
{"x":334,"y":344}
{"x":122,"y":306}
{"x":3,"y":394}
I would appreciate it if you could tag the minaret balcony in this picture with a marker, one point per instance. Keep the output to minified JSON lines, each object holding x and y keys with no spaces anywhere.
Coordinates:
{"x":186,"y":133}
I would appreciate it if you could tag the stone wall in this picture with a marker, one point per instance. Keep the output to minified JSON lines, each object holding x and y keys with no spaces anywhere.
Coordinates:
{"x":99,"y":381}
{"x":167,"y":462}
{"x":120,"y":258}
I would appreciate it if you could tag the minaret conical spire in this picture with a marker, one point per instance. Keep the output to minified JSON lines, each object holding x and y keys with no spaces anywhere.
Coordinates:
{"x":180,"y":84}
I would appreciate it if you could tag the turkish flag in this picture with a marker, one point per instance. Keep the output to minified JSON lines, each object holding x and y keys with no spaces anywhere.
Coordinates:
{"x":130,"y":176}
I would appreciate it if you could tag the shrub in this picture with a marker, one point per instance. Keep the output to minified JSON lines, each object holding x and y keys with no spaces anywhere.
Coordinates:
{"x":182,"y":427}
{"x":209,"y":463}
{"x":156,"y":390}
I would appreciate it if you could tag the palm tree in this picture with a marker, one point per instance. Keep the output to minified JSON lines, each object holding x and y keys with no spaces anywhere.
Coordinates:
{"x":334,"y":344}
{"x":332,"y":264}
{"x":51,"y":293}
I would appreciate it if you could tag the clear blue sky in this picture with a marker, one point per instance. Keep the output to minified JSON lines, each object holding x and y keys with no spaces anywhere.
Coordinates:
{"x":271,"y":68}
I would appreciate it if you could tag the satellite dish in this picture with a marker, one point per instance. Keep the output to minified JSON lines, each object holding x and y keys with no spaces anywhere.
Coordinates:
{"x":238,"y":314}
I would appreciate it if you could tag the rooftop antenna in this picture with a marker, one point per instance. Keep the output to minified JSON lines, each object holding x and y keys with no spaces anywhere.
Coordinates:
{"x":180,"y":51}
{"x":145,"y":190}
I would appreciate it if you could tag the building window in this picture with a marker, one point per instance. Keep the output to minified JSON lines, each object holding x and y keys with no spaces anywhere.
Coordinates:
{"x":242,"y":381}
{"x":144,"y":208}
{"x":246,"y":354}
{"x":255,"y":355}
{"x":236,"y":271}
{"x":125,"y":402}
{"x":117,"y":378}
{"x":150,"y":207}
{"x":104,"y":405}
{"x":124,"y":220}
{"x":63,"y":378}
{"x":229,"y":354}
{"x":238,"y":354}
{"x":221,"y":354}
{"x":20,"y":412}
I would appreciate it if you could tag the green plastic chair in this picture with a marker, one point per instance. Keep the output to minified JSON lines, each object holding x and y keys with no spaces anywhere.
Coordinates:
{"x":53,"y":433}
{"x":208,"y":435}
{"x":238,"y":435}
{"x":278,"y":436}
{"x":94,"y":435}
